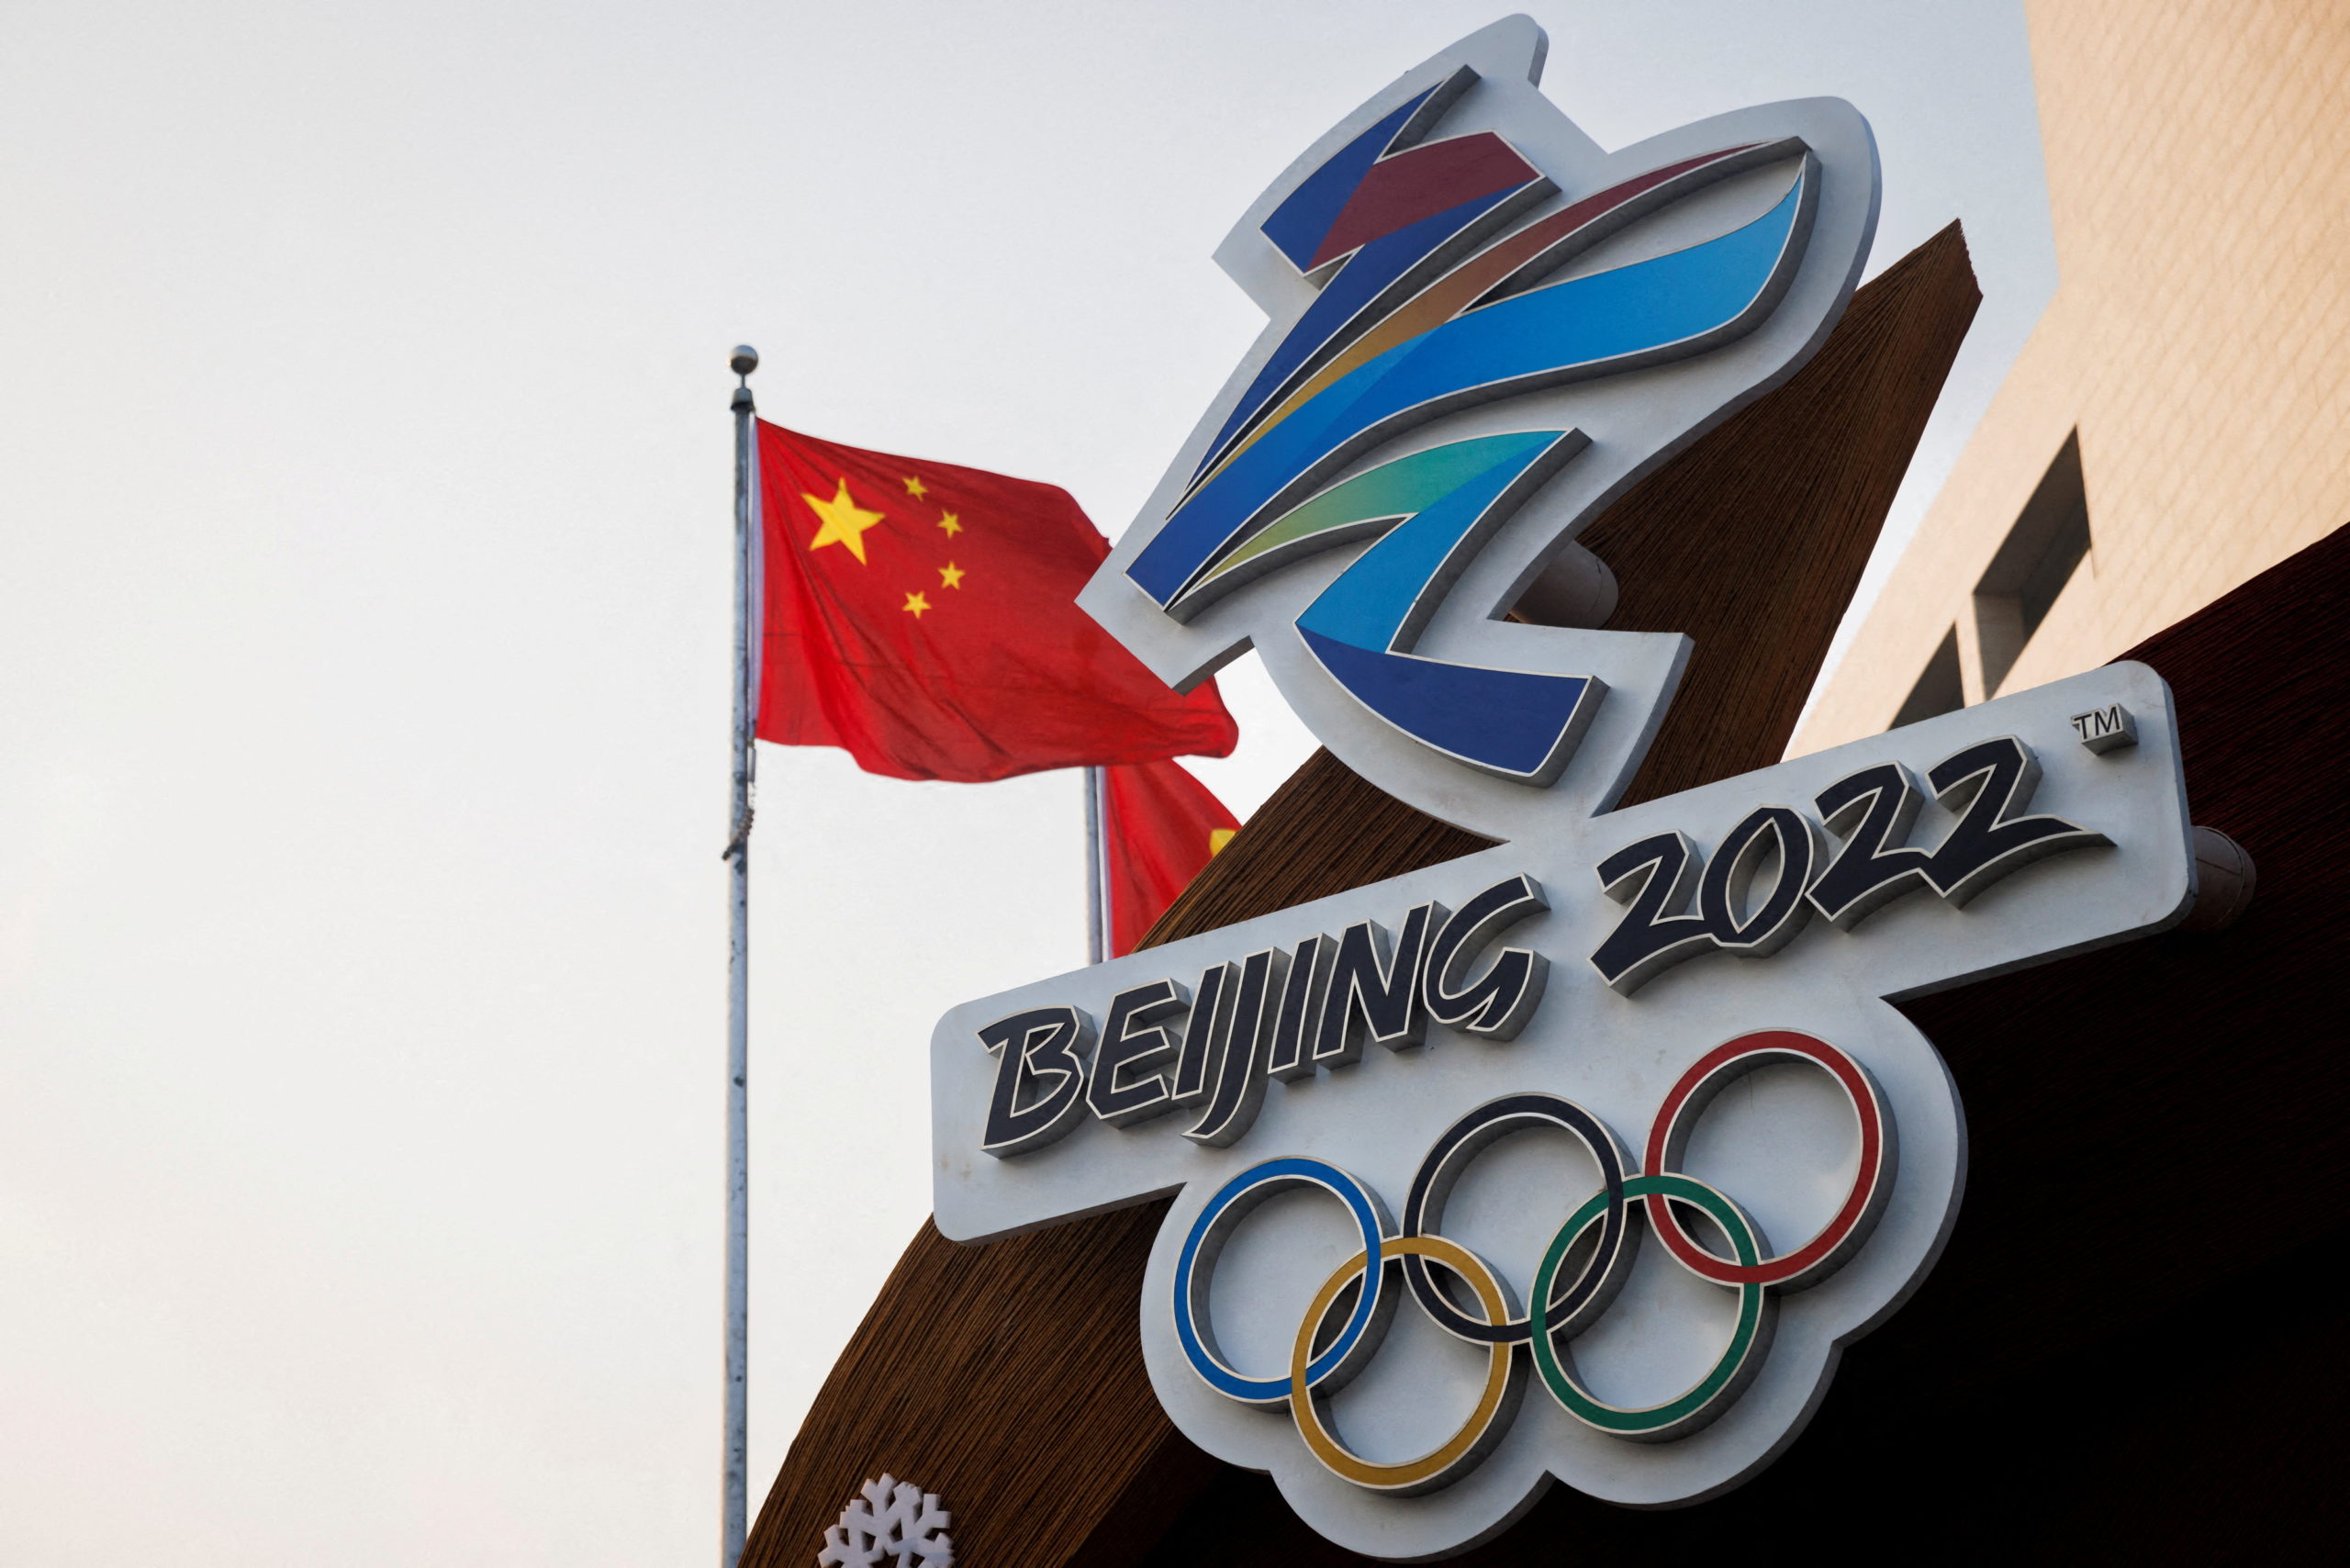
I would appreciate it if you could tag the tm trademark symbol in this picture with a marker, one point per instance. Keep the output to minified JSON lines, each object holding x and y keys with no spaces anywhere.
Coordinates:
{"x":2105,"y":729}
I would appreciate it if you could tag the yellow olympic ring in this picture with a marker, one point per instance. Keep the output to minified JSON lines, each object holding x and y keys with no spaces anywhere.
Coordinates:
{"x":1485,"y":1422}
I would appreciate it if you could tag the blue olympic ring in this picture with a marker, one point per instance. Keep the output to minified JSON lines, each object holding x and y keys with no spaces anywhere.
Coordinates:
{"x":1196,"y":1267}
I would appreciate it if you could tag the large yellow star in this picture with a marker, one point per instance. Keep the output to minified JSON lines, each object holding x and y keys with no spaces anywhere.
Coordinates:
{"x":915,"y":604}
{"x":952,"y":574}
{"x":915,"y":488}
{"x":844,"y":522}
{"x":951,"y":523}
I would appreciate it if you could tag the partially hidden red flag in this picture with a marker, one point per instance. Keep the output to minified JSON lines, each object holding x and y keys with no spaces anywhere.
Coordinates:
{"x":1162,"y":828}
{"x":923,"y":617}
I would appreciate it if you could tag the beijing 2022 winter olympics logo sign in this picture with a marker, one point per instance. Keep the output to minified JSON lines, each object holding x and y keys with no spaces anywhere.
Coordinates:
{"x":1739,"y":1156}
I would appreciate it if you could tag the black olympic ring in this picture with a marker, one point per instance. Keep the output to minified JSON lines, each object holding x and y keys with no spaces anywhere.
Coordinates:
{"x":1592,"y":1288}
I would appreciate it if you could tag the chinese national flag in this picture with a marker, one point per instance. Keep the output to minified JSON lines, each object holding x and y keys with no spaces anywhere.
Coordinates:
{"x":1162,"y":828}
{"x":923,"y":617}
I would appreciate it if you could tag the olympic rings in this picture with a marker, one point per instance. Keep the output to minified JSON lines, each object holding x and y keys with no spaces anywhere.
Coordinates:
{"x":1563,"y":1302}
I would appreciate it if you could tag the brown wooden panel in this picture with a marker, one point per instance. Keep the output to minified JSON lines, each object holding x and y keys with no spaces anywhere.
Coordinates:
{"x":1025,"y":1406}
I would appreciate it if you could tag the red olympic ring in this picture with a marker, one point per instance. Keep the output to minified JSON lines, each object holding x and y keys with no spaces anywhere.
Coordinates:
{"x":1872,"y":1181}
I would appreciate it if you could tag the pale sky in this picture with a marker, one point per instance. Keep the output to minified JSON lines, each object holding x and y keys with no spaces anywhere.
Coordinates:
{"x":364,"y":471}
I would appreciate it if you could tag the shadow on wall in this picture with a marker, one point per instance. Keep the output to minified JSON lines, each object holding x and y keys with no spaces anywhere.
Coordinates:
{"x":2045,"y":547}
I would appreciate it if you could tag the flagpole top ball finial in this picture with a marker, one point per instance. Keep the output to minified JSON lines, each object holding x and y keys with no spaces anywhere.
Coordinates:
{"x":744,"y":360}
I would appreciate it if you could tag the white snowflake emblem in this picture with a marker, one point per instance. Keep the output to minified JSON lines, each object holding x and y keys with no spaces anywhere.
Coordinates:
{"x":894,"y":1523}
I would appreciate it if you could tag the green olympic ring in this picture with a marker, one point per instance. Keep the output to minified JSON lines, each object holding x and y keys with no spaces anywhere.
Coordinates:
{"x":1738,"y":1363}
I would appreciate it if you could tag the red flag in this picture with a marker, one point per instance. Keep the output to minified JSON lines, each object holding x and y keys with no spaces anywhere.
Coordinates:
{"x":1162,"y":828}
{"x":924,"y":617}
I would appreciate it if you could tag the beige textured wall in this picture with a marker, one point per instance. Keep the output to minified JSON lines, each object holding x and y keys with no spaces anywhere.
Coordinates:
{"x":2199,"y":172}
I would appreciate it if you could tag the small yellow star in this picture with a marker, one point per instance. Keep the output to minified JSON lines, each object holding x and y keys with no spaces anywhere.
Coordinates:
{"x":951,"y":523}
{"x":1218,"y":837}
{"x":951,"y":574}
{"x":915,"y":488}
{"x":844,"y":522}
{"x":915,"y":604}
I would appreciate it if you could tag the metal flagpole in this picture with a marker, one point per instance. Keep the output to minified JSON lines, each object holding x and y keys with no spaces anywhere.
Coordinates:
{"x":1096,"y":928}
{"x":736,"y":1484}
